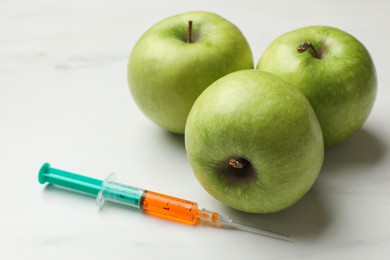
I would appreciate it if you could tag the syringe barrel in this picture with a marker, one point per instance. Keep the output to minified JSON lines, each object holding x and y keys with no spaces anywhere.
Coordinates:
{"x":169,"y":207}
{"x":119,"y":193}
{"x":152,"y":203}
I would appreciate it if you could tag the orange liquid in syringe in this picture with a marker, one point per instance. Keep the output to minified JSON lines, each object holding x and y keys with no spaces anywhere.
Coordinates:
{"x":169,"y":207}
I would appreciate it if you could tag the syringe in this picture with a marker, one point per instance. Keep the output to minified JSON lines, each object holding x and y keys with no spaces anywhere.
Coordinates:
{"x":150,"y":202}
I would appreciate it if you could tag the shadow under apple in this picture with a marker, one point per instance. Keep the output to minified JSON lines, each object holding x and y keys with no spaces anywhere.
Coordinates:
{"x":363,"y":149}
{"x":304,"y":221}
{"x":174,"y":140}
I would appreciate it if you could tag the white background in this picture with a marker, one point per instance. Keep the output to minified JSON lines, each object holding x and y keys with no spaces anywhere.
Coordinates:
{"x":64,"y":99}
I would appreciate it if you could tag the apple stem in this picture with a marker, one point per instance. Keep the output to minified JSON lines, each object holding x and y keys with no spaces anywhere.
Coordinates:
{"x":189,"y":32}
{"x":237,"y":164}
{"x":306,"y":46}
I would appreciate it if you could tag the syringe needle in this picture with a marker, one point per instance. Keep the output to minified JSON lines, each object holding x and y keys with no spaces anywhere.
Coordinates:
{"x":219,"y":219}
{"x":261,"y":232}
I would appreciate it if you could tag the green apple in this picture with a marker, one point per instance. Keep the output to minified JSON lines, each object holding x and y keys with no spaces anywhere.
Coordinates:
{"x":179,"y":57}
{"x":334,"y":71}
{"x":254,"y":142}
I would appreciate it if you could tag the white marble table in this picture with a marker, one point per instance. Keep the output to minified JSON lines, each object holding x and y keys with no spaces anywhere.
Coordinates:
{"x":64,"y":99}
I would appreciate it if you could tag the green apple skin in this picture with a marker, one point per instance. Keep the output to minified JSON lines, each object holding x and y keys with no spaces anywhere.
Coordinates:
{"x":340,"y":84}
{"x":259,"y":118}
{"x":166,"y":74}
